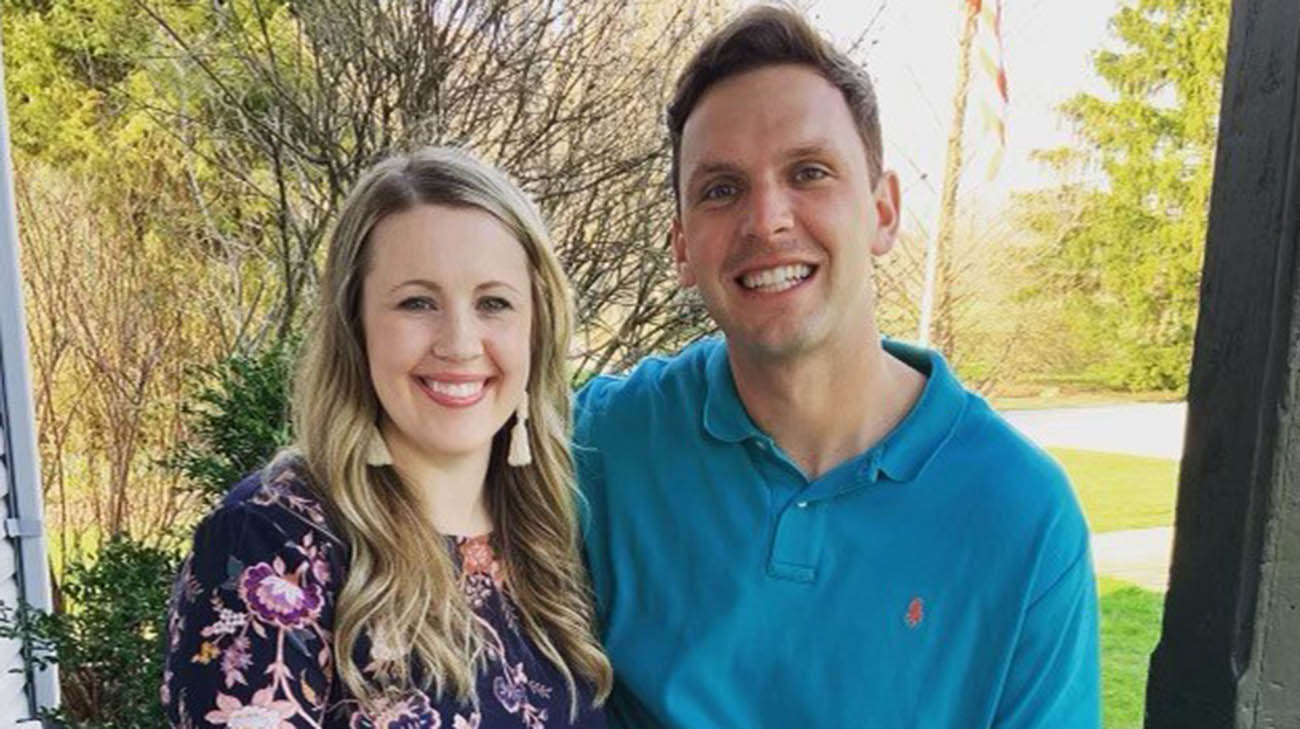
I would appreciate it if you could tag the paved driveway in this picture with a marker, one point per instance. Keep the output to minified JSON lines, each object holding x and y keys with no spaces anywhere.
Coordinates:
{"x":1140,"y":429}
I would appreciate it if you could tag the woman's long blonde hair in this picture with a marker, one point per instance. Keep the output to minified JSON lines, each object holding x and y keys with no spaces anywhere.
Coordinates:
{"x":401,"y":583}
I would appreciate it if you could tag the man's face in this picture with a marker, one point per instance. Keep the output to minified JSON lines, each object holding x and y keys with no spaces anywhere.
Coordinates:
{"x":779,"y":218}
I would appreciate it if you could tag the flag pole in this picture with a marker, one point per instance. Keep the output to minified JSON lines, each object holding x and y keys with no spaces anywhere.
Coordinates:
{"x":941,"y":240}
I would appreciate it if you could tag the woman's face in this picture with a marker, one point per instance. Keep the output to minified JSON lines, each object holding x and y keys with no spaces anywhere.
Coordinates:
{"x":447,"y":310}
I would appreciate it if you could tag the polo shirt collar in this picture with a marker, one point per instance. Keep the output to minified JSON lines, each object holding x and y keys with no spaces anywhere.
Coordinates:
{"x":725,"y":417}
{"x":913,"y":443}
{"x":900,"y":456}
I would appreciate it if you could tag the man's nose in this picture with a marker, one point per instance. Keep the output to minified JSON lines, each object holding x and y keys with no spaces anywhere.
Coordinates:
{"x":770,"y":211}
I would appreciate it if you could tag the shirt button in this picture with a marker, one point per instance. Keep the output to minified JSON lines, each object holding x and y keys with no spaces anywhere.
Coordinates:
{"x":802,"y":504}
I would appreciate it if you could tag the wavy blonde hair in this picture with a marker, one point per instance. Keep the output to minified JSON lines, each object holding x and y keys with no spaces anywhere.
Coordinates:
{"x":401,"y":579}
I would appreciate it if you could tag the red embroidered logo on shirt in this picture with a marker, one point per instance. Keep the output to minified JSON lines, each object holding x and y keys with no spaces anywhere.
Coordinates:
{"x":915,"y":612}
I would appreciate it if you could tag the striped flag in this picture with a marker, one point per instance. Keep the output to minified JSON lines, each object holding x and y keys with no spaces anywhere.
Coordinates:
{"x":993,"y":101}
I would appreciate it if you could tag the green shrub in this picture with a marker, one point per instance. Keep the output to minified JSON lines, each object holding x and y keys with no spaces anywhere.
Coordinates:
{"x":239,"y":418}
{"x":108,"y":634}
{"x":108,"y":640}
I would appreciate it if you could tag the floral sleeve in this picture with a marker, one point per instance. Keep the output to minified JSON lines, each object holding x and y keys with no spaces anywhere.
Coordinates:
{"x":249,"y":629}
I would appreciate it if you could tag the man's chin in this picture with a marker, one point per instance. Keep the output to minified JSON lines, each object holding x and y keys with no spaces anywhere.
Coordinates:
{"x":773,"y":343}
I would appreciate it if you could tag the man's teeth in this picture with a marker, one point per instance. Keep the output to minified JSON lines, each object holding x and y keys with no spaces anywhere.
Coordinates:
{"x":455,"y":389}
{"x":776,"y":279}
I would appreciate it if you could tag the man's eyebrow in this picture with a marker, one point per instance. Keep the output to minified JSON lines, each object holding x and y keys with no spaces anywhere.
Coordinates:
{"x":811,"y":148}
{"x":705,"y":169}
{"x":815,"y":148}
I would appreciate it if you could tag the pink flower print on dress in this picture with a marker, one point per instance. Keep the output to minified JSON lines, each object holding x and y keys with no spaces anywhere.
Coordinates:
{"x":279,"y":599}
{"x":234,"y":660}
{"x":320,"y":569}
{"x":263,"y":713}
{"x":510,"y":694}
{"x":476,"y":556}
{"x":412,"y":712}
{"x":460,"y":722}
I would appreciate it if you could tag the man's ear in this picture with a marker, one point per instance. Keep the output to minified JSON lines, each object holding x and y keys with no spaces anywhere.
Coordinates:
{"x":886,"y":200}
{"x":685,"y":276}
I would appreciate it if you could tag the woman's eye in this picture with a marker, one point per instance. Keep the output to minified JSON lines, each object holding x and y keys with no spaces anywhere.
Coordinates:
{"x":417,"y":303}
{"x":494,"y":304}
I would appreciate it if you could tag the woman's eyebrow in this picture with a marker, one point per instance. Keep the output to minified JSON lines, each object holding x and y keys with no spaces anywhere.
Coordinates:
{"x":424,"y":282}
{"x":495,"y":284}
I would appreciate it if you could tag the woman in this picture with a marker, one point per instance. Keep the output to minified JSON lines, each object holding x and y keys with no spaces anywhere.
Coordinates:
{"x":412,"y":561}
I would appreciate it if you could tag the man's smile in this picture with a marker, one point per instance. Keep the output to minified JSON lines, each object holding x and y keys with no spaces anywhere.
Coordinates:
{"x":776,"y":279}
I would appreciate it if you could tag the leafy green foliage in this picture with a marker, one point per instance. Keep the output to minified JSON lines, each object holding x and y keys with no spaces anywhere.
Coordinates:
{"x":1126,"y":255}
{"x":239,"y":419}
{"x":109,"y":639}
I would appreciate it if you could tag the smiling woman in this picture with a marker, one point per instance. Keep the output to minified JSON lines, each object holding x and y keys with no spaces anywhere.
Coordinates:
{"x":412,"y":560}
{"x":447,"y":311}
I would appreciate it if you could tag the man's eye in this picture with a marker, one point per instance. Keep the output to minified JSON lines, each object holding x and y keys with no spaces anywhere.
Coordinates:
{"x":417,"y":303}
{"x":809,"y":174}
{"x":720,"y":191}
{"x":494,"y":304}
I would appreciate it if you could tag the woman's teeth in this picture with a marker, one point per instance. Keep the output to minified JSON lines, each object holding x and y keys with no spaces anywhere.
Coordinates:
{"x":455,"y":389}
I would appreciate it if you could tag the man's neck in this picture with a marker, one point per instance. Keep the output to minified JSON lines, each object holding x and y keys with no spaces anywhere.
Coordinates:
{"x":825,"y":407}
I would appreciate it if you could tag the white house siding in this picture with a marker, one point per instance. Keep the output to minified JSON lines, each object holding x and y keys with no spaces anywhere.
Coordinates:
{"x":23,"y":563}
{"x":15,"y":703}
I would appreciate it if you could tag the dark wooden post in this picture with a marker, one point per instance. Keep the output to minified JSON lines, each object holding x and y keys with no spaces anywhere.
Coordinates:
{"x":1229,"y":651}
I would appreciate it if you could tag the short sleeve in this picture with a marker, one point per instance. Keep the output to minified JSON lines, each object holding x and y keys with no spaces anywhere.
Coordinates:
{"x":590,"y":470}
{"x":1054,"y":681}
{"x":249,"y":640}
{"x":587,"y":457}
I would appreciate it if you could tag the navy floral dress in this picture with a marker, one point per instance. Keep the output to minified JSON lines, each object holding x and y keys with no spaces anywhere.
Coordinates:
{"x":249,"y":632}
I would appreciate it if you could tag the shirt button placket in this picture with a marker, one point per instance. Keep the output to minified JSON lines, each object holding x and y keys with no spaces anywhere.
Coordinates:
{"x":796,"y":544}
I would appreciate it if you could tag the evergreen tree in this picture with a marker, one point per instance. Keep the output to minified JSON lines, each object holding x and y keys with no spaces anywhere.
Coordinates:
{"x":1126,"y":249}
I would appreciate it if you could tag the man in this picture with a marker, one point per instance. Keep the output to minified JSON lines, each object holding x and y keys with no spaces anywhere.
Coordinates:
{"x":802,"y":525}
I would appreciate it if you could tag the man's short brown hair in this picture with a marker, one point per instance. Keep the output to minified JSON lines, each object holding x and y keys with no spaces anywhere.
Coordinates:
{"x":767,"y":35}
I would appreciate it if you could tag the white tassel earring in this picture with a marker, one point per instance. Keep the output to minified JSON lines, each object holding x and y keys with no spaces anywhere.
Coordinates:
{"x":377,"y":454}
{"x":520,"y":452}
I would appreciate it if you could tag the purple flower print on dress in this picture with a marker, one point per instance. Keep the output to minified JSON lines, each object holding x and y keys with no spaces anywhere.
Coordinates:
{"x":411,"y":712}
{"x":279,"y":599}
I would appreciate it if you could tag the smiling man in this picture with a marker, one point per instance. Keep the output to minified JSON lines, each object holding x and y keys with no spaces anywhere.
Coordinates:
{"x":803,"y":524}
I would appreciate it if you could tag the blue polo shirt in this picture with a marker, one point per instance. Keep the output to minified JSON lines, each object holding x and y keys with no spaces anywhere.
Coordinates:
{"x":940,"y":579}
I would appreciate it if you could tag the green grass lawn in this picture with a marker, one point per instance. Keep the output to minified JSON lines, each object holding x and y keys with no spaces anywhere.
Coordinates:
{"x":1130,"y":626}
{"x":1124,"y":492}
{"x":1120,"y":491}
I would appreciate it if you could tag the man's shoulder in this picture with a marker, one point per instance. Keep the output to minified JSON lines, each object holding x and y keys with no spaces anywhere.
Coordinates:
{"x":655,"y":380}
{"x":1016,"y":494}
{"x":1014,"y":472}
{"x":1007,"y":447}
